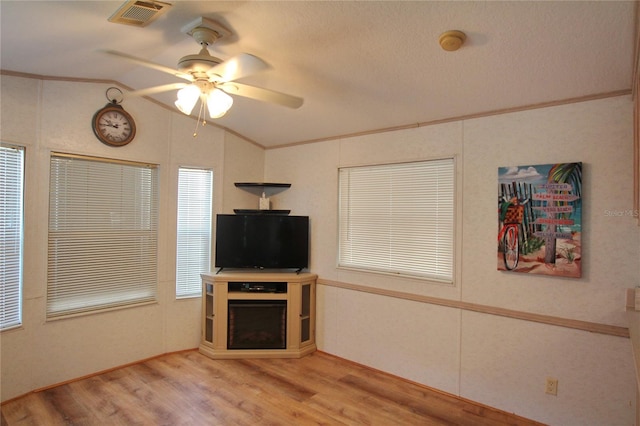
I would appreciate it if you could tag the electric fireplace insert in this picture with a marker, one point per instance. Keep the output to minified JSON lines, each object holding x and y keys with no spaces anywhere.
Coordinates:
{"x":257,"y":324}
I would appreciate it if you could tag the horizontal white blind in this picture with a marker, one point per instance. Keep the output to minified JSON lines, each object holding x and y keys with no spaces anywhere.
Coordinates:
{"x":398,"y":218}
{"x":103,"y":225}
{"x":194,"y":229}
{"x":11,"y":231}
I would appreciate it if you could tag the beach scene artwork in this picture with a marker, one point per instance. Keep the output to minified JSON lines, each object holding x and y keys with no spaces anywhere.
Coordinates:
{"x":540,"y":219}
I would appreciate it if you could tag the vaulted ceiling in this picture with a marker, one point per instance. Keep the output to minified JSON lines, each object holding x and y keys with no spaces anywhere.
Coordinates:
{"x":359,"y":65}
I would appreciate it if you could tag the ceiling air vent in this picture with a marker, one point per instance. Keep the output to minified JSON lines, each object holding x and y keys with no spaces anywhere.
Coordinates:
{"x":139,"y":13}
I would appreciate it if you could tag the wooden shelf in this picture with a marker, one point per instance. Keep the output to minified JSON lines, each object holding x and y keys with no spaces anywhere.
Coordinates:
{"x":257,"y":211}
{"x":266,"y":188}
{"x":262,"y":188}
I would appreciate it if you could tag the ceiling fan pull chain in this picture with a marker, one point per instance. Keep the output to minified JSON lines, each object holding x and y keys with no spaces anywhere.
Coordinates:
{"x":200,"y":115}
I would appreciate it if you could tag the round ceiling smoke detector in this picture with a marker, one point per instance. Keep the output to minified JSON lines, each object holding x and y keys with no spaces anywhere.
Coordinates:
{"x":452,"y":40}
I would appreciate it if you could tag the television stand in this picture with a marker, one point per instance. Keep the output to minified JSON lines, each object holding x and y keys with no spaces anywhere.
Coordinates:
{"x":258,"y":314}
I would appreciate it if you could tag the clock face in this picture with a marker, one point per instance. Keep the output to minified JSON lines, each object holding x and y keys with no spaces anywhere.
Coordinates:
{"x":114,"y":126}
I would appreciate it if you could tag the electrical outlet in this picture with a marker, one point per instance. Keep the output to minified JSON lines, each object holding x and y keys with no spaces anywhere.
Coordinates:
{"x":551,"y":386}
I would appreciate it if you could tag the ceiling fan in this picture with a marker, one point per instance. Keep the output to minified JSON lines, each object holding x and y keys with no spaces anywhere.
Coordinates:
{"x":211,"y":79}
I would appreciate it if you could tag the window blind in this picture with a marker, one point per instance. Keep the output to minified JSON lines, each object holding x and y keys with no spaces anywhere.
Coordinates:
{"x":398,"y":218}
{"x":11,"y":232}
{"x":194,"y":229}
{"x":103,"y":225}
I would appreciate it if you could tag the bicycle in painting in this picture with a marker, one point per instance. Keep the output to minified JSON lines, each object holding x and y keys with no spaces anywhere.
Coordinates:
{"x":511,"y":215}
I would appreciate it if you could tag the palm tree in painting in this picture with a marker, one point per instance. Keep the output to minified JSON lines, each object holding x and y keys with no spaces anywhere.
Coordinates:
{"x":569,"y":173}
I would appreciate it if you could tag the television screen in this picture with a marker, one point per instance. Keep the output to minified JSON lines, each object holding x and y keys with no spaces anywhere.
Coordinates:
{"x":264,"y":241}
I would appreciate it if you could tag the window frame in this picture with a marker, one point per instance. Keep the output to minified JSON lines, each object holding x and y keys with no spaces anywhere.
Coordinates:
{"x":115,"y":238}
{"x":450,"y":277}
{"x":206,"y":257}
{"x":13,"y":294}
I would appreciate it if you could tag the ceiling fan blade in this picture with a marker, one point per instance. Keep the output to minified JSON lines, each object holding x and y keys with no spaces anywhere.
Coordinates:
{"x":157,"y":89}
{"x":238,"y":66}
{"x":261,"y":94}
{"x":148,"y":64}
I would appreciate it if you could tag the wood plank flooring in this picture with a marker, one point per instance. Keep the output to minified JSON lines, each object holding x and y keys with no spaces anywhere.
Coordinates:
{"x":188,"y":388}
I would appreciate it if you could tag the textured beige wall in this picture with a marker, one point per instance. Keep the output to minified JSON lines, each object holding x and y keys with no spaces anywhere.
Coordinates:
{"x":498,"y":361}
{"x":50,"y":116}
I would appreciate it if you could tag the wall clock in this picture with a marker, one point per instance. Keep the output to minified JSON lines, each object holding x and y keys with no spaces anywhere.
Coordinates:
{"x":111,"y":124}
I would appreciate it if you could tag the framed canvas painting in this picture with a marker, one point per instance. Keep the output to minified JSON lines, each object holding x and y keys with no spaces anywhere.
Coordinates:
{"x":540,"y":219}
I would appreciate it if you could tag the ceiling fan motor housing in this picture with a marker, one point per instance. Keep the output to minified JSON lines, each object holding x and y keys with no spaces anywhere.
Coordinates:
{"x":202,"y":62}
{"x":205,"y":32}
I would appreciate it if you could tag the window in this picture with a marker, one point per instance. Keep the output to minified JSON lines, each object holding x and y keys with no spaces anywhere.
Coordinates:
{"x":194,"y":230}
{"x":103,"y":226}
{"x":11,"y":230}
{"x":398,"y":218}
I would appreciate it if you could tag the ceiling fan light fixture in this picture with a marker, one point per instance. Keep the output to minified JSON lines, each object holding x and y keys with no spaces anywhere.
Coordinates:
{"x":187,"y":98}
{"x":218,"y":103}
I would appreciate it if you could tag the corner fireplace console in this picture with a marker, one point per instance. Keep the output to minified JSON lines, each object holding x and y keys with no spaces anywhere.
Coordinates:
{"x":258,"y":315}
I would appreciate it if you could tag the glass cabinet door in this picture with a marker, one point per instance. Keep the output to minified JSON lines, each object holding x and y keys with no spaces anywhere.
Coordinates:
{"x":305,"y":314}
{"x":208,"y":312}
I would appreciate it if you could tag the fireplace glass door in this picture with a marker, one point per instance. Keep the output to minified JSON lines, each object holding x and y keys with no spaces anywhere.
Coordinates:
{"x":257,"y":324}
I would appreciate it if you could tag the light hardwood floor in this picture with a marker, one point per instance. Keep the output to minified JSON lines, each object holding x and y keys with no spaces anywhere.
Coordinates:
{"x":188,"y":388}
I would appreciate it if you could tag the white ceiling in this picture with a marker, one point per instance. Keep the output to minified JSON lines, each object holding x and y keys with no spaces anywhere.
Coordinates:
{"x":359,"y":65}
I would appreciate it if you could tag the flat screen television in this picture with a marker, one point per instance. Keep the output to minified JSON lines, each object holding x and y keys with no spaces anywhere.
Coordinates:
{"x":262,"y":241}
